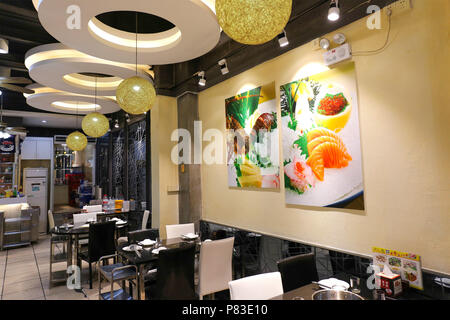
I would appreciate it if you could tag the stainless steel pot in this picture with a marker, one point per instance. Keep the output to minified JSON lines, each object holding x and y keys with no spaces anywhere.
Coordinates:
{"x":335,"y":295}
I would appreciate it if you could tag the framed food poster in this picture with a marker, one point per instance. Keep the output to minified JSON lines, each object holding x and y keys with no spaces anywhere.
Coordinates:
{"x":407,"y":265}
{"x":252,"y":139}
{"x":321,"y":140}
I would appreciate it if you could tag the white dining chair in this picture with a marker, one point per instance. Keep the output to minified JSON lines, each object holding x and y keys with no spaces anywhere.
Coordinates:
{"x":81,"y":218}
{"x":94,"y":208}
{"x":260,"y":287}
{"x":145,"y":219}
{"x":215,"y":266}
{"x":177,"y":230}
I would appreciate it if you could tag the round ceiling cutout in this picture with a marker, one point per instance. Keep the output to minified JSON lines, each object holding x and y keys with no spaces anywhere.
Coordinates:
{"x":56,"y":66}
{"x":196,"y":30}
{"x":52,"y":100}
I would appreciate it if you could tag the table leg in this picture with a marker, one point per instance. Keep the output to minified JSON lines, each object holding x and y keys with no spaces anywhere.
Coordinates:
{"x":69,"y":251}
{"x":76,"y":246}
{"x":141,"y":281}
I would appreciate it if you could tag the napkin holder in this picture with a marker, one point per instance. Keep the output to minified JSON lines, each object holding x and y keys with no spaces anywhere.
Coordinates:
{"x":390,"y":282}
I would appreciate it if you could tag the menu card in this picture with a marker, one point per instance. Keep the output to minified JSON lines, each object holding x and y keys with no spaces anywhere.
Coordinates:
{"x":407,"y":265}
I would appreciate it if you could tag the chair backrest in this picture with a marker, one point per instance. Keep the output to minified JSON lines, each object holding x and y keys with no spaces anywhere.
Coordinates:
{"x":101,"y":240}
{"x":145,"y":219}
{"x":51,"y":221}
{"x":95,"y":208}
{"x":175,"y":277}
{"x":140,"y":235}
{"x":298,"y":271}
{"x":176,"y":230}
{"x":260,"y":287}
{"x":82,"y":218}
{"x":215,"y":268}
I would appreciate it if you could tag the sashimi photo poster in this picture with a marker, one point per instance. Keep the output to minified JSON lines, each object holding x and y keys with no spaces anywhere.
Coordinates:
{"x":321,"y":140}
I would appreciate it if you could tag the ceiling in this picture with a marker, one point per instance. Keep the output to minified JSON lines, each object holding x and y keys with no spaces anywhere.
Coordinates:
{"x":19,"y":24}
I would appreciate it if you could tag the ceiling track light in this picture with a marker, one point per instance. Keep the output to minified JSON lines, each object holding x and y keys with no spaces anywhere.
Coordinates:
{"x":334,"y":11}
{"x":4,"y":46}
{"x":127,"y":117}
{"x":282,"y":39}
{"x":223,"y":66}
{"x":116,"y":124}
{"x":202,"y":80}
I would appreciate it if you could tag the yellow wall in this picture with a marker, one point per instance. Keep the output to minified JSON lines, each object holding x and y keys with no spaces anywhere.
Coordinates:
{"x":164,"y":172}
{"x":404,"y":120}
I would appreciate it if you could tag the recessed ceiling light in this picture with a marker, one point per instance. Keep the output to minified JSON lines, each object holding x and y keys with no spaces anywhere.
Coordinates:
{"x":4,"y":47}
{"x":44,"y":121}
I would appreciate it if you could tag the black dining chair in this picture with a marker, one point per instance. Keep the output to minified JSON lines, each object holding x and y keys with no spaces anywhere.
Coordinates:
{"x":140,"y":235}
{"x":298,"y":271}
{"x":174,"y":279}
{"x":101,"y":243}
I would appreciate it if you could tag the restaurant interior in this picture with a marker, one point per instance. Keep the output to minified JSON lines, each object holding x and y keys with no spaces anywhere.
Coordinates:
{"x":224,"y":150}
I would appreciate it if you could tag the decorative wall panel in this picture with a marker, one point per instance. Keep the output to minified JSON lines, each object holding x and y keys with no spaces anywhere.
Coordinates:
{"x":118,"y":164}
{"x":137,"y":162}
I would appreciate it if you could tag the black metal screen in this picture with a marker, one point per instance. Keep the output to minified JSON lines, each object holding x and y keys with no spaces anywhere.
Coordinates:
{"x":137,"y":162}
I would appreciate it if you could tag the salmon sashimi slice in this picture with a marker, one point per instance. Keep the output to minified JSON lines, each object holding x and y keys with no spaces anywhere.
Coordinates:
{"x":317,"y":166}
{"x":332,"y":155}
{"x":319,"y":140}
{"x":318,"y":132}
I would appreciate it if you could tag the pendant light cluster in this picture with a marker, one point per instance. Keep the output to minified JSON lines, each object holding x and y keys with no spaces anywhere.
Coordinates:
{"x":136,"y":95}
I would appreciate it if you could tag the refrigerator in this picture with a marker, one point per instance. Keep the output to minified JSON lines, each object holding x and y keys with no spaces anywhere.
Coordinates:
{"x":36,"y":189}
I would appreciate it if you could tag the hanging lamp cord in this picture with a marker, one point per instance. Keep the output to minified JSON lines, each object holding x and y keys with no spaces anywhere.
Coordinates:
{"x":136,"y":42}
{"x":95,"y":96}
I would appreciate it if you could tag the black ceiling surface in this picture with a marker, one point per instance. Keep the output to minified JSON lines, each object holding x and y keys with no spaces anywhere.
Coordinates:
{"x":19,"y":24}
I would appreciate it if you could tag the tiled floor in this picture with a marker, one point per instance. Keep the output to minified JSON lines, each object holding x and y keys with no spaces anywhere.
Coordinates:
{"x":24,"y":275}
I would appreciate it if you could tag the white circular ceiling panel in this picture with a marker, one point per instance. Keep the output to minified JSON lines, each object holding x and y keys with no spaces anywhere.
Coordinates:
{"x":53,"y":100}
{"x":59,"y":67}
{"x":196,"y":30}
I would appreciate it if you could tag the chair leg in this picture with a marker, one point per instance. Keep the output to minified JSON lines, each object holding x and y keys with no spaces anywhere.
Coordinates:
{"x":99,"y":284}
{"x":90,"y":275}
{"x":51,"y":263}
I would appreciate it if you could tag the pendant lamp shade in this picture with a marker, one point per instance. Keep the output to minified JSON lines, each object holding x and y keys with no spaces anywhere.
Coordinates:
{"x":253,"y":22}
{"x":95,"y":125}
{"x":136,"y":95}
{"x":76,"y":141}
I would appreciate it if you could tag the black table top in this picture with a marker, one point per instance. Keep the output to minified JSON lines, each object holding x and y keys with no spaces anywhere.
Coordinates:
{"x":306,"y":292}
{"x":62,"y":231}
{"x":146,"y":253}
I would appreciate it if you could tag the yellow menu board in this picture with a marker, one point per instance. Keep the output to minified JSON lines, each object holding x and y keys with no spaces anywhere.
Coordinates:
{"x":407,"y":265}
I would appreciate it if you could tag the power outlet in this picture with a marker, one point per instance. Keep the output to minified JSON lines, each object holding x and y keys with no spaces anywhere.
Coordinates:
{"x":400,"y":6}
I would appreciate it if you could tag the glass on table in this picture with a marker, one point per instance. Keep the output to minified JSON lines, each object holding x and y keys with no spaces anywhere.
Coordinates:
{"x":379,"y":294}
{"x":354,"y":284}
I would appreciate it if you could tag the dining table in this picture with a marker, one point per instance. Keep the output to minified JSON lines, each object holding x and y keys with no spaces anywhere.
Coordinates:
{"x":146,"y":255}
{"x":306,"y":292}
{"x":73,"y":234}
